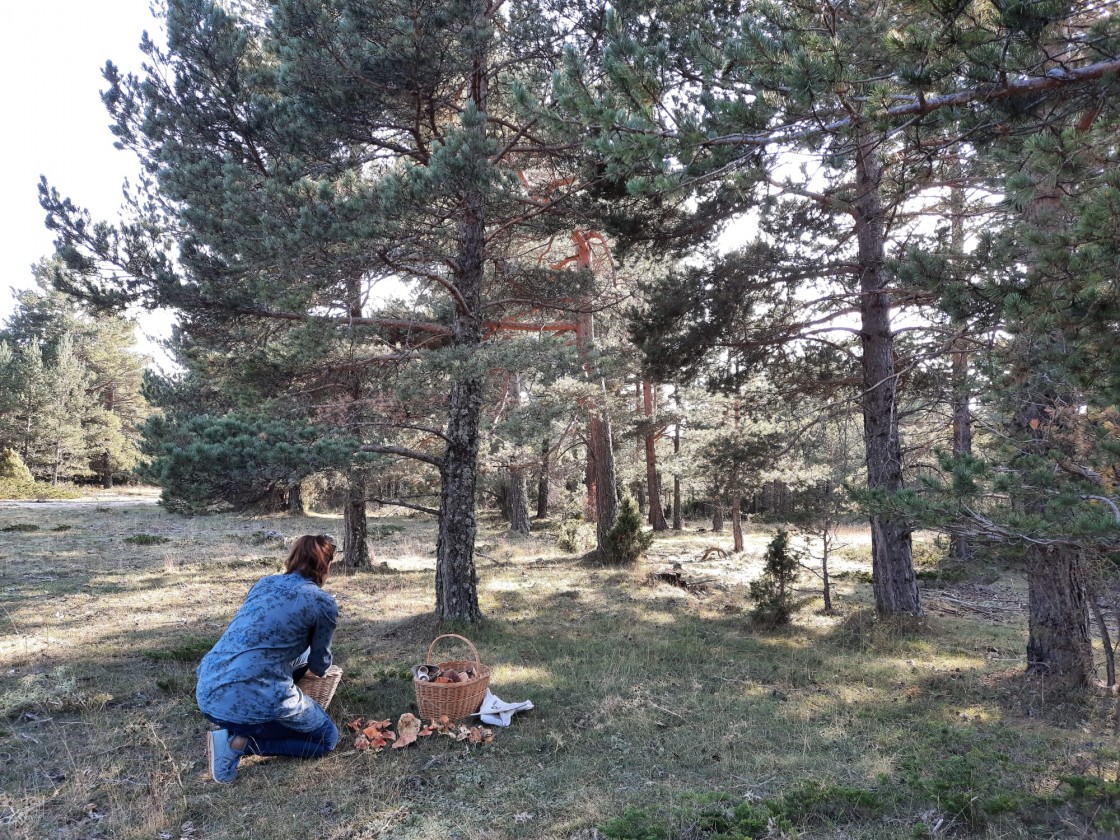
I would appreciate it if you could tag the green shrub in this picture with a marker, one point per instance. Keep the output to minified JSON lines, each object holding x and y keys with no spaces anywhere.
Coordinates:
{"x":575,"y":536}
{"x":190,"y":649}
{"x":12,"y":467}
{"x":627,"y":541}
{"x":773,"y":592}
{"x":830,"y":803}
{"x":11,"y":488}
{"x":146,"y":539}
{"x":718,"y":816}
{"x":19,"y":526}
{"x":636,"y":824}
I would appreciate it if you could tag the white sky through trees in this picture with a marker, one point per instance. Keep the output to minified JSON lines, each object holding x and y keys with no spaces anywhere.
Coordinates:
{"x":51,"y":55}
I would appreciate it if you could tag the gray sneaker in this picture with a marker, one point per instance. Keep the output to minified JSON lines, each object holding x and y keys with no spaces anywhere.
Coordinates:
{"x":221,"y":757}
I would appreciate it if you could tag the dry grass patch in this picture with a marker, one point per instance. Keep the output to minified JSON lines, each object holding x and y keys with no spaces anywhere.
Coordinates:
{"x":654,"y":703}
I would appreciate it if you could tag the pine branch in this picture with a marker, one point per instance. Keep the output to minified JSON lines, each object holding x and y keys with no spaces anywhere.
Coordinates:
{"x":403,"y":452}
{"x":1054,"y":79}
{"x":400,"y":503}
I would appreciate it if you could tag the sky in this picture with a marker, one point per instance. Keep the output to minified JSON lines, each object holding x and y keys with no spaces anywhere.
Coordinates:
{"x":51,"y":55}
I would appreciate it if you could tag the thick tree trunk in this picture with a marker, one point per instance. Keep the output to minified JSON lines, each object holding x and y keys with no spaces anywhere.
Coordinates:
{"x":456,"y":578}
{"x":542,"y":481}
{"x":894,"y":583}
{"x":1058,"y":642}
{"x":717,"y":516}
{"x":1058,"y":646}
{"x":355,"y":542}
{"x":600,"y":454}
{"x":518,"y":501}
{"x":295,"y":499}
{"x":737,"y":523}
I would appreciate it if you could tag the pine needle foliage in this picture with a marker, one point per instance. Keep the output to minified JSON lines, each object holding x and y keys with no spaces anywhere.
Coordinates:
{"x":627,"y":540}
{"x":772,"y":593}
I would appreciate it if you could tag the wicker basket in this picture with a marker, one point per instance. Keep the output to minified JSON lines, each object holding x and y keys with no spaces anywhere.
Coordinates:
{"x":456,"y":700}
{"x":321,"y":689}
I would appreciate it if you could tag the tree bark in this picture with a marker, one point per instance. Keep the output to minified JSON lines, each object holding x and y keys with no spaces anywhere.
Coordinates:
{"x":602,"y":499}
{"x":456,"y":576}
{"x":518,"y":496}
{"x":1106,"y":641}
{"x":518,"y":502}
{"x":1058,"y":646}
{"x":737,"y":523}
{"x":677,"y":525}
{"x":717,"y":516}
{"x":542,"y":480}
{"x":295,"y":499}
{"x":355,"y":545}
{"x":106,"y":471}
{"x":894,"y":583}
{"x":960,"y":545}
{"x":656,"y":512}
{"x":600,"y":455}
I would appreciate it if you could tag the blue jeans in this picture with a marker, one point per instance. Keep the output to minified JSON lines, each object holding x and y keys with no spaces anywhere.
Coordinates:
{"x":309,"y":735}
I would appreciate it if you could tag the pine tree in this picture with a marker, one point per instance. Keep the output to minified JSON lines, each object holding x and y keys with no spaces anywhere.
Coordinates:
{"x":627,"y":541}
{"x":306,"y":152}
{"x":772,"y":593}
{"x":864,"y":96}
{"x":53,"y":346}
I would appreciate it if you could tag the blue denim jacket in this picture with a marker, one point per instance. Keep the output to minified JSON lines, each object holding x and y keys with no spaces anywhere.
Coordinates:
{"x":247,"y":676}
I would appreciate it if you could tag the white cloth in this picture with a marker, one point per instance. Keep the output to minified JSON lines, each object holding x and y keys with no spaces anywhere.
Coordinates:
{"x":497,"y":712}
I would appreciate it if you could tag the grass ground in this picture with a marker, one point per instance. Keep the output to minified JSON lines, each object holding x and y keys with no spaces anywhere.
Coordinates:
{"x":660,"y":712}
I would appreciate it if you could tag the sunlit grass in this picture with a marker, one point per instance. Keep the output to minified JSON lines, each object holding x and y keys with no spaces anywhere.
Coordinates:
{"x":647,"y":695}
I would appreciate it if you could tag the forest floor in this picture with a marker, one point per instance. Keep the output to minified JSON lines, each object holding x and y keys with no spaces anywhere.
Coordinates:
{"x":660,"y":712}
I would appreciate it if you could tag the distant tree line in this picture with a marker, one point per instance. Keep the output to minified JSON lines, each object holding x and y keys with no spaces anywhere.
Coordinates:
{"x":71,"y":401}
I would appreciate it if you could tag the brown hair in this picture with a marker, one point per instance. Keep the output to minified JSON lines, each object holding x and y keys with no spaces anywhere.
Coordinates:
{"x":311,"y":557}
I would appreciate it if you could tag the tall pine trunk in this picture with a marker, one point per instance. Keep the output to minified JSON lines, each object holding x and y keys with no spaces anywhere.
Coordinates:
{"x":737,"y":523}
{"x":602,"y":499}
{"x":456,"y":576}
{"x":653,"y":486}
{"x":960,"y":545}
{"x":518,"y":496}
{"x":518,"y":502}
{"x":894,"y":583}
{"x":677,"y":525}
{"x":355,"y":542}
{"x":542,"y":481}
{"x":1058,"y":642}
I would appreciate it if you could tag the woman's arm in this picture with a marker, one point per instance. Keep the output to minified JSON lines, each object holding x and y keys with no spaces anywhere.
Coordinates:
{"x":321,"y":634}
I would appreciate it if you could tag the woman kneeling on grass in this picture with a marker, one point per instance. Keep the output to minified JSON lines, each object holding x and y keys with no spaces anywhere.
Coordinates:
{"x":247,"y":683}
